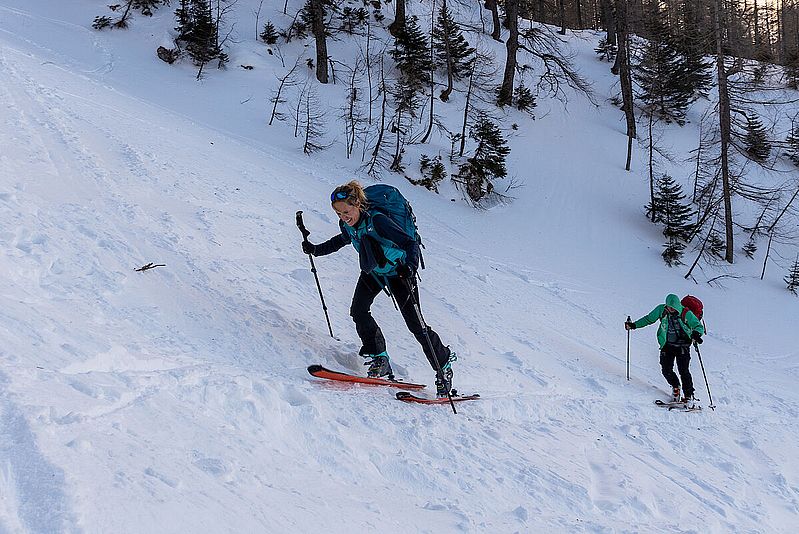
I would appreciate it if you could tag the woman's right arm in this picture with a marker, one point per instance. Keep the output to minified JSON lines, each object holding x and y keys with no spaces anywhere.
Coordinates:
{"x":332,"y":245}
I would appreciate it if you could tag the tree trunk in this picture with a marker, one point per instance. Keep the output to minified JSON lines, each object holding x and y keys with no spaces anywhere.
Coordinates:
{"x":652,"y":167}
{"x":448,"y":53}
{"x":398,"y":26}
{"x":466,"y":110}
{"x":512,"y":45}
{"x":724,"y":126}
{"x":433,"y":72}
{"x":579,"y":15}
{"x":562,"y":17}
{"x":491,"y":5}
{"x":318,"y":28}
{"x":625,"y":76}
{"x":609,"y":20}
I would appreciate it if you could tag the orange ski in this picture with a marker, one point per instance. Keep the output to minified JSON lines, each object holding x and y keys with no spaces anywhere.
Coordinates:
{"x":320,"y":372}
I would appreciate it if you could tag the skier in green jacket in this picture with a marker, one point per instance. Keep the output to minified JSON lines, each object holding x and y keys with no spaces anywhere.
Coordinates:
{"x":678,"y":328}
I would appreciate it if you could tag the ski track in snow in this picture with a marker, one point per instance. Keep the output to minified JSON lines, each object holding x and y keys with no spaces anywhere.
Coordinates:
{"x":173,"y":416}
{"x":32,"y":493}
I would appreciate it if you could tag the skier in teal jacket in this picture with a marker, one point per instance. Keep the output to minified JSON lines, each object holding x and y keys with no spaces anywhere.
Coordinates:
{"x":678,"y":328}
{"x":388,"y":258}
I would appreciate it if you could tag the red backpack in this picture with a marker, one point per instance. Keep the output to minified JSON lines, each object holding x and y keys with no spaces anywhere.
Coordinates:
{"x":689,"y":302}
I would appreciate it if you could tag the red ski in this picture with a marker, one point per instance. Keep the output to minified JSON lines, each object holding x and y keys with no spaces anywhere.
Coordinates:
{"x":320,"y":372}
{"x":410,"y":397}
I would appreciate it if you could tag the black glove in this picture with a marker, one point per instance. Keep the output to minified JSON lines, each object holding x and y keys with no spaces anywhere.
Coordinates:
{"x":405,"y":271}
{"x":629,"y":325}
{"x":309,"y":248}
{"x":697,"y":337}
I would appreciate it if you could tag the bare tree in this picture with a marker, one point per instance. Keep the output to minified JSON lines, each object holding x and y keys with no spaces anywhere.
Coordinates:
{"x":313,"y":123}
{"x":278,"y":98}
{"x":377,"y":160}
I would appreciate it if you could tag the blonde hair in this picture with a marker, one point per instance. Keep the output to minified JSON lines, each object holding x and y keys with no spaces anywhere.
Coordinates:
{"x":355,"y":195}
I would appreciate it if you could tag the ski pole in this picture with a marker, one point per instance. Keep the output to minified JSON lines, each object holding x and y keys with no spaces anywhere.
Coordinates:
{"x":629,"y":319}
{"x":433,"y":354}
{"x":305,"y":234}
{"x":709,"y":396}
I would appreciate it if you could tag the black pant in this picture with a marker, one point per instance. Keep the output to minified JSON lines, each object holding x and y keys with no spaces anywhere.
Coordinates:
{"x":682,"y":353}
{"x":372,"y":338}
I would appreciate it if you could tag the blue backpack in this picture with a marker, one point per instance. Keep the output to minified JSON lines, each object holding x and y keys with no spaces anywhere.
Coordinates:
{"x":388,"y":200}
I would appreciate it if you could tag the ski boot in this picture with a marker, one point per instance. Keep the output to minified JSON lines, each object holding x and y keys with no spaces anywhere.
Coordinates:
{"x":379,"y":366}
{"x":675,"y":395}
{"x":444,"y":387}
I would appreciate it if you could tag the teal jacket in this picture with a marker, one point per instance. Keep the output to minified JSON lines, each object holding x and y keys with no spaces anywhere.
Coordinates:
{"x":689,"y":325}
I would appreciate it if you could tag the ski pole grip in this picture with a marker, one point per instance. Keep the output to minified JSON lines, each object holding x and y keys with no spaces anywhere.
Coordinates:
{"x":301,"y":226}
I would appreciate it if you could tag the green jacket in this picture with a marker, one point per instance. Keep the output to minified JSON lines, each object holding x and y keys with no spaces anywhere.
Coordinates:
{"x":689,"y":325}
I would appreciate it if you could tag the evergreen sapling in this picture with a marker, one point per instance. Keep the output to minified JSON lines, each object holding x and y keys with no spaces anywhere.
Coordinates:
{"x":488,"y":161}
{"x":675,"y":216}
{"x":793,"y":144}
{"x":756,"y":140}
{"x":269,"y":35}
{"x":793,"y":277}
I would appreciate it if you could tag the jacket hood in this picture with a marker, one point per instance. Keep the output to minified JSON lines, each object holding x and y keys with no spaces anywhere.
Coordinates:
{"x":673,"y":301}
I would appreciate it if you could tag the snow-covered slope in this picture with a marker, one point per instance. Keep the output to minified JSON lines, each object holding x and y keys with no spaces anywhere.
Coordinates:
{"x":176,"y":399}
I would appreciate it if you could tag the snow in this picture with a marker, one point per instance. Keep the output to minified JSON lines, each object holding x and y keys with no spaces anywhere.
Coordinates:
{"x":177,"y":400}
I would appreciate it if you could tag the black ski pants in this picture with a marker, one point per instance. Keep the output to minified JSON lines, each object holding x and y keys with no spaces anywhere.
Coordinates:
{"x":681,"y":353}
{"x":371,"y":336}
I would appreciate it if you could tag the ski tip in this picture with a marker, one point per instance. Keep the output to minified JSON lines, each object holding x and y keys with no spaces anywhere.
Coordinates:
{"x":315,"y":368}
{"x":403,"y":395}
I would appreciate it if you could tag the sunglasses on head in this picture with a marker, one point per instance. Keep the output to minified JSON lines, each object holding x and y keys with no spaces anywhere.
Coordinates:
{"x":339,"y":195}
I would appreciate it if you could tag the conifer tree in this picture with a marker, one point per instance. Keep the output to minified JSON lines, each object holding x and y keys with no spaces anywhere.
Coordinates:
{"x":793,"y":277}
{"x":675,"y":215}
{"x":606,"y":50}
{"x":523,"y":98}
{"x":411,"y":53}
{"x":433,"y":172}
{"x":791,"y":69}
{"x":662,"y":78}
{"x":488,"y":161}
{"x":201,"y":41}
{"x":183,"y":16}
{"x":756,"y":140}
{"x":672,"y":252}
{"x":126,"y":9}
{"x":451,"y":47}
{"x":696,"y":70}
{"x":793,"y":144}
{"x":269,"y":34}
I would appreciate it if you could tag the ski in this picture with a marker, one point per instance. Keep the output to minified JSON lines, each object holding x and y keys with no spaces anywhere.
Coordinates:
{"x":410,"y":397}
{"x":679,"y":406}
{"x":320,"y":372}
